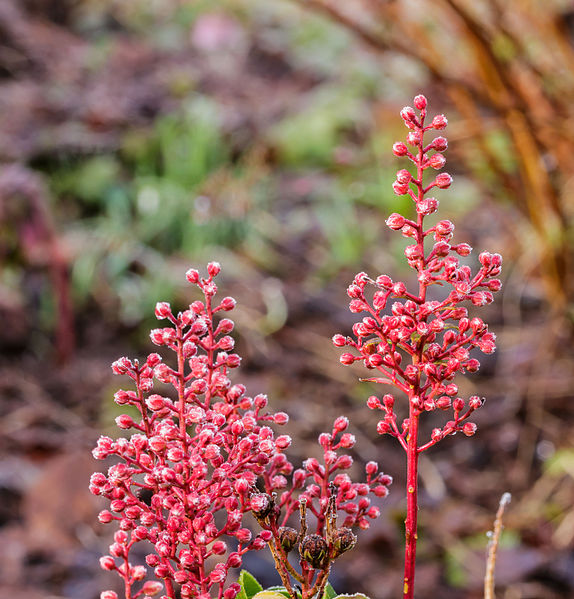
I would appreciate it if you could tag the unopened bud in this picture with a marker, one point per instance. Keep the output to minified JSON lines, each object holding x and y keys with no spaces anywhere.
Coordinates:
{"x":420,"y":102}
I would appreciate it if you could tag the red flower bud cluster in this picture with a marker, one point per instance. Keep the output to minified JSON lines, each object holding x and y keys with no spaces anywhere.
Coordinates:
{"x":412,"y":342}
{"x":312,"y":483}
{"x":182,"y":477}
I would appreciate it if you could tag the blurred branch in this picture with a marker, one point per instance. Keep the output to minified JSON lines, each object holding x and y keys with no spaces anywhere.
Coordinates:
{"x":528,"y":94}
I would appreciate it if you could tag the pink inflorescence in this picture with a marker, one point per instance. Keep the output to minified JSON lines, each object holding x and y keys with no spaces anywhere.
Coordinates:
{"x":420,"y":344}
{"x":181,"y":485}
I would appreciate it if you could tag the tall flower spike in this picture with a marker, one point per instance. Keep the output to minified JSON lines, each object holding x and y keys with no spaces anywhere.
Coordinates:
{"x":420,"y":344}
{"x":183,"y":479}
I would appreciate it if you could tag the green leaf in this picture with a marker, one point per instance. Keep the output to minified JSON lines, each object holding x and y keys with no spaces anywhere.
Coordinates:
{"x":270,"y":595}
{"x":330,"y":592}
{"x":281,"y":590}
{"x":352,"y":596}
{"x":249,"y":586}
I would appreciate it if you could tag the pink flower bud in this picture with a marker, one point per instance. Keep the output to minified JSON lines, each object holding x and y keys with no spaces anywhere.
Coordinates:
{"x":213,"y":269}
{"x":443,"y":402}
{"x":341,"y":424}
{"x":400,"y":188}
{"x":234,"y":560}
{"x":437,"y":161}
{"x":399,"y":149}
{"x":162,"y":310}
{"x":283,"y":442}
{"x":395,"y":221}
{"x":152,"y":587}
{"x":458,"y":404}
{"x":344,"y":462}
{"x":451,"y":389}
{"x":474,"y":402}
{"x":383,"y":427}
{"x":463,"y":249}
{"x":347,"y":359}
{"x":436,"y":434}
{"x":192,"y":276}
{"x":404,"y":176}
{"x":108,"y":595}
{"x":399,"y":289}
{"x":124,"y":421}
{"x":443,"y":180}
{"x":371,"y":468}
{"x":219,"y":548}
{"x":281,"y":418}
{"x":339,"y":340}
{"x":384,"y":281}
{"x":413,"y":252}
{"x":440,"y":144}
{"x":374,"y":403}
{"x":232,"y":591}
{"x":107,"y":563}
{"x":347,"y":441}
{"x":477,"y":325}
{"x":408,"y":114}
{"x":469,"y":428}
{"x":420,"y":102}
{"x":439,"y":122}
{"x":227,"y":304}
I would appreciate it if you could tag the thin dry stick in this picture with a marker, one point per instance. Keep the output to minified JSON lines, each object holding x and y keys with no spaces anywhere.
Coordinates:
{"x":493,"y":547}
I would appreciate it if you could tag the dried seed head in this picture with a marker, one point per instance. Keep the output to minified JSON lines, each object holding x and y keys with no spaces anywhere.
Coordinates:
{"x":288,"y":537}
{"x":343,"y":540}
{"x":313,"y":549}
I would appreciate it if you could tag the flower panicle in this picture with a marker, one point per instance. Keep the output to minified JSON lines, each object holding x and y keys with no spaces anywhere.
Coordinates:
{"x":407,"y":339}
{"x":197,"y":443}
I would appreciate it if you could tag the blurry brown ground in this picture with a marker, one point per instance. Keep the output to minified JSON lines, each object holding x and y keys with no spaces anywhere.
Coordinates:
{"x":60,"y":104}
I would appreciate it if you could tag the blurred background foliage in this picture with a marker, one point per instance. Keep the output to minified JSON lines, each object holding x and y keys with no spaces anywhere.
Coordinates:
{"x":140,"y":137}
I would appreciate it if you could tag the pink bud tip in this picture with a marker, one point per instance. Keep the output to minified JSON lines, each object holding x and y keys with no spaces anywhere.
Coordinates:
{"x":440,"y":144}
{"x":192,"y":276}
{"x":408,"y":114}
{"x":443,"y":180}
{"x":383,"y":427}
{"x":469,"y":428}
{"x":152,"y":587}
{"x":213,"y":269}
{"x":339,"y":340}
{"x":420,"y":102}
{"x":439,"y":122}
{"x":341,"y":424}
{"x":347,"y":359}
{"x":400,"y":149}
{"x":374,"y":402}
{"x":162,"y":310}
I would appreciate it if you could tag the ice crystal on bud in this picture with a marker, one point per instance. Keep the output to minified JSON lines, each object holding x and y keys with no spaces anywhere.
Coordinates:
{"x":194,"y":459}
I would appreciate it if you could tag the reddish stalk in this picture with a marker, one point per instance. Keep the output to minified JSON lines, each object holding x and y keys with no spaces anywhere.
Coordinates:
{"x":412,"y":505}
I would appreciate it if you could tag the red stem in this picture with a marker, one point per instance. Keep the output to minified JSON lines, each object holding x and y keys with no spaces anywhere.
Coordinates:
{"x":412,"y":505}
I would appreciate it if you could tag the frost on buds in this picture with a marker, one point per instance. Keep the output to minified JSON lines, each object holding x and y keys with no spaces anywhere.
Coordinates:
{"x":194,"y":458}
{"x":434,"y":335}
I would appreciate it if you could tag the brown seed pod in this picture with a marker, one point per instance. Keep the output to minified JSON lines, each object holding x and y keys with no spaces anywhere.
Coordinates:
{"x":288,"y":537}
{"x":343,"y":540}
{"x":313,"y":549}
